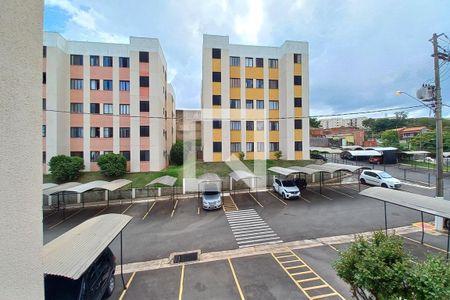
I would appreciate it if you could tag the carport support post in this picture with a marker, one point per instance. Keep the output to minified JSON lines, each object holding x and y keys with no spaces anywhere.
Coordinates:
{"x":423,"y":229}
{"x":448,"y":241}
{"x":321,"y":179}
{"x":121,"y":261}
{"x":385,"y":218}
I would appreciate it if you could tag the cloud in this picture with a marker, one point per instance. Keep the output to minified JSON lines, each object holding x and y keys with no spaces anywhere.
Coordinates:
{"x":247,"y":27}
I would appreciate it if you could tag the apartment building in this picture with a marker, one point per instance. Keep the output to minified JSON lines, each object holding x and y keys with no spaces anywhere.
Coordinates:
{"x":255,"y":100}
{"x":101,"y":97}
{"x":341,"y":122}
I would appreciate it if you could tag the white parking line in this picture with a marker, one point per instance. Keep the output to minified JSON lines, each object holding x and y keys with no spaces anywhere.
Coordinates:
{"x":247,"y":223}
{"x":237,"y":232}
{"x":265,"y":231}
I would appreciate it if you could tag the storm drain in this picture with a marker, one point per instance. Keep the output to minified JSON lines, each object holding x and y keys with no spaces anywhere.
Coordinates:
{"x":185,"y":257}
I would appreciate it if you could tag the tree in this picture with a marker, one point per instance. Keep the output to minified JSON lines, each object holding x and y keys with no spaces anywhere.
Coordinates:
{"x":427,"y":141}
{"x":430,"y":279}
{"x":390,"y":138}
{"x":65,"y":168}
{"x":314,"y":122}
{"x":241,"y":155}
{"x":278,"y":155}
{"x":177,"y":153}
{"x":112,"y":165}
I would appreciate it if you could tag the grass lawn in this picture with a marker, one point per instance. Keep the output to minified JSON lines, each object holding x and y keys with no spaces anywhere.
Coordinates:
{"x":220,"y":168}
{"x":424,"y":165}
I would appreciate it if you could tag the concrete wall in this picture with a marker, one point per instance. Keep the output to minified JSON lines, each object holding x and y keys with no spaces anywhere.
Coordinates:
{"x":21,"y":143}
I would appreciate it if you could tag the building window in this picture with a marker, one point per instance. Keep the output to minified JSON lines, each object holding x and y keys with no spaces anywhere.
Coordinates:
{"x":76,"y":107}
{"x":124,"y":85}
{"x":145,"y":131}
{"x":250,"y":147}
{"x":259,"y":83}
{"x":94,"y":60}
{"x":44,"y":51}
{"x":94,"y":155}
{"x":44,"y":157}
{"x":76,"y":132}
{"x":273,"y":84}
{"x":124,"y":109}
{"x":259,"y":104}
{"x":107,"y":61}
{"x":274,"y":105}
{"x":216,"y":77}
{"x":216,"y":53}
{"x":217,"y":100}
{"x":76,"y":154}
{"x":235,"y":125}
{"x":297,"y":80}
{"x":107,"y":85}
{"x":297,"y":58}
{"x":126,"y":154}
{"x":249,"y":83}
{"x":217,"y":146}
{"x":260,"y":146}
{"x":273,"y":63}
{"x":143,"y":57}
{"x":235,"y":103}
{"x":107,"y":132}
{"x":124,"y":62}
{"x":76,"y":84}
{"x":44,"y":104}
{"x":274,"y":125}
{"x":235,"y":61}
{"x":124,"y":132}
{"x":274,"y":146}
{"x":235,"y":147}
{"x":298,"y":124}
{"x":259,"y":62}
{"x":107,"y":108}
{"x":95,"y":108}
{"x":44,"y":78}
{"x":249,"y":104}
{"x":76,"y":60}
{"x":235,"y":82}
{"x":95,"y":84}
{"x":298,"y":146}
{"x":145,"y":155}
{"x":249,"y":125}
{"x":217,"y":124}
{"x":260,"y":125}
{"x":249,"y":62}
{"x":144,"y":106}
{"x":44,"y":130}
{"x":95,"y":132}
{"x":297,"y":102}
{"x":144,"y":81}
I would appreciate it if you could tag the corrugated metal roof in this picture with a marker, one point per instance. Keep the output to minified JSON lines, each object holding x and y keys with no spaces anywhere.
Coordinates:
{"x":344,"y":167}
{"x":305,"y":170}
{"x":48,"y":185}
{"x":60,"y":188}
{"x":283,"y":171}
{"x":326,"y":150}
{"x":97,"y":184}
{"x":71,"y":254}
{"x":364,"y":153}
{"x":415,"y":152}
{"x":414,"y":201}
{"x":382,"y":148}
{"x":164,"y":180}
{"x":116,"y":184}
{"x":240,"y":175}
{"x":208,"y":177}
{"x":446,"y":154}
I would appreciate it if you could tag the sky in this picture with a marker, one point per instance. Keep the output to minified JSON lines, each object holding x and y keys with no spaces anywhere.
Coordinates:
{"x":361,"y":52}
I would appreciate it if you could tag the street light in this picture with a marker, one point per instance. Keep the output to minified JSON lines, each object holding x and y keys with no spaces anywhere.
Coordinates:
{"x":399,"y":93}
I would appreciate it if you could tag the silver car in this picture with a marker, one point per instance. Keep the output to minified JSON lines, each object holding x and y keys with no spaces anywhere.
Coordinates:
{"x":211,"y":198}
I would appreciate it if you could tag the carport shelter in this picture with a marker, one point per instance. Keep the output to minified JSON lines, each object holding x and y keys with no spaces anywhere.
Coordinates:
{"x":72,"y":253}
{"x":208,"y":178}
{"x":163,"y":180}
{"x":59,"y":190}
{"x":239,"y":175}
{"x":362,"y":153}
{"x":332,"y":168}
{"x":429,"y":205}
{"x":297,"y":170}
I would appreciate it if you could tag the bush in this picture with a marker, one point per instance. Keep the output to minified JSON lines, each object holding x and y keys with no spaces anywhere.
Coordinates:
{"x":112,"y":165}
{"x":177,"y":153}
{"x":278,"y":155}
{"x":241,"y":155}
{"x":65,"y":168}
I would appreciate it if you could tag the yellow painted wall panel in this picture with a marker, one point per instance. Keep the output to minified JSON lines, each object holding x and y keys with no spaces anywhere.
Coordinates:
{"x":235,"y":93}
{"x":217,"y":112}
{"x":274,"y":136}
{"x":235,"y":135}
{"x":297,"y":90}
{"x":298,"y":134}
{"x":298,"y":155}
{"x":274,"y":114}
{"x":255,"y":114}
{"x":259,"y":136}
{"x":274,"y":94}
{"x":216,"y":65}
{"x":297,"y":111}
{"x":235,"y":115}
{"x":235,"y":72}
{"x":273,"y":74}
{"x":249,"y":155}
{"x":257,"y":73}
{"x":217,"y":156}
{"x":297,"y":69}
{"x":217,"y":135}
{"x":217,"y":88}
{"x":250,"y":135}
{"x":258,"y":155}
{"x":254,"y":94}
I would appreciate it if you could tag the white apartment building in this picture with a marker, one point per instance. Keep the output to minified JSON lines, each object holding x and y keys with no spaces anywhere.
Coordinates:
{"x":341,"y":122}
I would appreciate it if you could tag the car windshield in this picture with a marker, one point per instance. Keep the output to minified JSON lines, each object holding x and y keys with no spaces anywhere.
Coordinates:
{"x":384,"y":175}
{"x":288,"y":183}
{"x":210,"y":193}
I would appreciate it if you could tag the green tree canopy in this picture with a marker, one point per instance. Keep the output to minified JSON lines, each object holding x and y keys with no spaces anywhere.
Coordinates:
{"x":390,"y":138}
{"x":427,"y":141}
{"x":314,"y":122}
{"x":65,"y":168}
{"x":177,"y":153}
{"x":112,"y":165}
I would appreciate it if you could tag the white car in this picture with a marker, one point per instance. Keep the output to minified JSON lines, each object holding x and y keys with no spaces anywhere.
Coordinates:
{"x":379,"y":178}
{"x":286,"y":188}
{"x":211,"y":198}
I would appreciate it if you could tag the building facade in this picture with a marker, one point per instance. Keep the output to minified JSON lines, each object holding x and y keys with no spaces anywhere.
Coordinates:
{"x":100,"y":98}
{"x":341,"y":122}
{"x":255,"y":100}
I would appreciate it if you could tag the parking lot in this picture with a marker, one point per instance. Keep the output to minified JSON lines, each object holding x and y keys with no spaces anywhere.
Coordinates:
{"x":159,"y":228}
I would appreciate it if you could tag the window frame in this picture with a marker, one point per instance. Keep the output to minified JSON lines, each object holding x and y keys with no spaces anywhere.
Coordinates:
{"x":249,"y":62}
{"x":216,"y":77}
{"x":107,"y":61}
{"x":123,"y":130}
{"x":144,"y":56}
{"x":144,"y":131}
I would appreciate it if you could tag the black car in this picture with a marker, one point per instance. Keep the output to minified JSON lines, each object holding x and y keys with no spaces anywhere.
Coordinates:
{"x":318,"y":156}
{"x":300,"y":183}
{"x":96,"y":283}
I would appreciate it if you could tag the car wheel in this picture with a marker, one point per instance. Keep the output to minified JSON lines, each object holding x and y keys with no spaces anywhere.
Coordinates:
{"x":362,"y":181}
{"x":384,"y":185}
{"x":110,"y":287}
{"x":283,"y":195}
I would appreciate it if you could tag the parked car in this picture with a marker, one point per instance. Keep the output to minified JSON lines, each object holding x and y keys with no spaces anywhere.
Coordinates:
{"x":318,"y":156}
{"x":347,"y":155}
{"x":286,"y":188}
{"x":96,"y":283}
{"x":376,"y":160}
{"x":379,"y":178}
{"x":301,"y":183}
{"x":211,"y":198}
{"x":430,"y":160}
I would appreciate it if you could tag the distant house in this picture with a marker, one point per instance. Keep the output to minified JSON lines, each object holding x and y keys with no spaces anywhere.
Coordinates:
{"x":407,"y":133}
{"x":336,"y":137}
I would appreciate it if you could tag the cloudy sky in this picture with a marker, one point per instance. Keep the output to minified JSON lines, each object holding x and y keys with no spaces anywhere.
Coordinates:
{"x":361,"y":52}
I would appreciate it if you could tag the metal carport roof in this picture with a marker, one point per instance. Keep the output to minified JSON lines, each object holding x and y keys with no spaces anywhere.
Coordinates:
{"x":97,"y":184}
{"x":364,"y":153}
{"x":415,"y":152}
{"x":71,"y":254}
{"x":208,"y":177}
{"x":48,"y":185}
{"x":344,"y":167}
{"x":164,"y":180}
{"x":283,"y":171}
{"x":241,"y":175}
{"x":326,"y":150}
{"x":60,"y":188}
{"x":115,"y":184}
{"x":305,"y":170}
{"x":323,"y":168}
